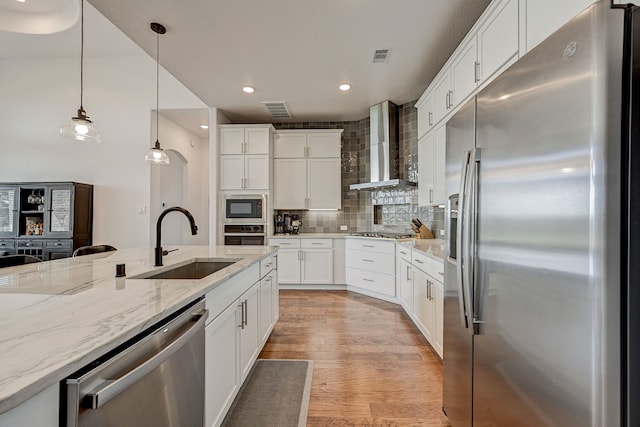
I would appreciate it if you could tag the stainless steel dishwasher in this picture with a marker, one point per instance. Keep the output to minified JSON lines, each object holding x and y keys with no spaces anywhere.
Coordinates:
{"x":155,"y":379}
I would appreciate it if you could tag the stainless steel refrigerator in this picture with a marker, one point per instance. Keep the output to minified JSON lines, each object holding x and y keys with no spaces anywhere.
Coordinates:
{"x":542,"y":304}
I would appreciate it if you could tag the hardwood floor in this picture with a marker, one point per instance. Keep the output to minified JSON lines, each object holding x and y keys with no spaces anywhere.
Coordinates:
{"x":372,"y":365}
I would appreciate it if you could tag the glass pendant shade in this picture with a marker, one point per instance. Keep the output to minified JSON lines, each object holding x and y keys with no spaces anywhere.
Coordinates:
{"x":80,"y":128}
{"x":157,"y":155}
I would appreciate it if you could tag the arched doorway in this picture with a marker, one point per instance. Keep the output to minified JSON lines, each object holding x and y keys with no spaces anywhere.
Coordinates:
{"x":169,"y":187}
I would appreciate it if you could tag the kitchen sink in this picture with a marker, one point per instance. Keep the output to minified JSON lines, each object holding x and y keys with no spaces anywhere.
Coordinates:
{"x":194,"y":270}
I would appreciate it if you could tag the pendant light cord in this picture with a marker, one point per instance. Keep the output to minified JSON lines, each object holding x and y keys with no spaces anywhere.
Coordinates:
{"x":157,"y":85}
{"x":81,"y":52}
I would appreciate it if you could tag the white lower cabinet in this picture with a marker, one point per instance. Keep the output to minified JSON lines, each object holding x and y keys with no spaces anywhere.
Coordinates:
{"x":304,"y":260}
{"x":371,"y":266}
{"x":42,"y":410}
{"x":222,"y":366}
{"x":242,"y":314}
{"x":421,"y":292}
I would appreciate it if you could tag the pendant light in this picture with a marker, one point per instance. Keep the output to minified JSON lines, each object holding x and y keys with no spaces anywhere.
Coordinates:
{"x":80,"y":128}
{"x":156,"y":154}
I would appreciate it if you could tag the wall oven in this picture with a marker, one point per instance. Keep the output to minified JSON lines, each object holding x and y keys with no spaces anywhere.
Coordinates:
{"x":245,"y":234}
{"x":244,"y":208}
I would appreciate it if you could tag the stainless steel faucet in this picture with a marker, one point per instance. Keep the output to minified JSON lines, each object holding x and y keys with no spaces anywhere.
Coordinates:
{"x":192,"y":222}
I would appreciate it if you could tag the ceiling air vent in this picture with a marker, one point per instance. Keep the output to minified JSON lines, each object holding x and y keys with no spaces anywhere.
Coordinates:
{"x":278,"y":109}
{"x":380,"y":56}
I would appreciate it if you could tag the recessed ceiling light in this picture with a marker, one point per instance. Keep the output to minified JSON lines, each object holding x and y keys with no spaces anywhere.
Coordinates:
{"x":344,"y":86}
{"x":204,"y":126}
{"x":21,"y":1}
{"x":248,"y":89}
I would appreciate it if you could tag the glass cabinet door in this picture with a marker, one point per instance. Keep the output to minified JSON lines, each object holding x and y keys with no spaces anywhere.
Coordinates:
{"x":59,"y":221}
{"x":8,"y":210}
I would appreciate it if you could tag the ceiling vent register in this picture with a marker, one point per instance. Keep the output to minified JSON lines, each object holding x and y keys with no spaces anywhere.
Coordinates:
{"x":380,"y":56}
{"x":278,"y":109}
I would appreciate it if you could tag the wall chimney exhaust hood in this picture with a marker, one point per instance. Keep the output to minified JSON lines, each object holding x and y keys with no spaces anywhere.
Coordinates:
{"x":384,"y":150}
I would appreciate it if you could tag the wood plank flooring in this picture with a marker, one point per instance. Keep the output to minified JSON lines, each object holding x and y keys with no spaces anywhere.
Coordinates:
{"x":372,"y":365}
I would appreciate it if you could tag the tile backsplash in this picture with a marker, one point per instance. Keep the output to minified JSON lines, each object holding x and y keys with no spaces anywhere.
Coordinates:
{"x":396,"y":205}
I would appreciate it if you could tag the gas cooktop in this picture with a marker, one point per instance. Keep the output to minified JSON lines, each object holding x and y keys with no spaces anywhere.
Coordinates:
{"x":382,"y":235}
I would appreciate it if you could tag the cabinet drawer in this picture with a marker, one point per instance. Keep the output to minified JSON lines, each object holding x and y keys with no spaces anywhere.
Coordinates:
{"x":29,"y":244}
{"x":58,"y":244}
{"x":285,"y":243}
{"x":373,"y":245}
{"x":267,"y":264}
{"x":316,"y":243}
{"x":221,"y":297}
{"x":371,"y":261}
{"x":404,"y":252}
{"x":376,"y":282}
{"x":432,"y":267}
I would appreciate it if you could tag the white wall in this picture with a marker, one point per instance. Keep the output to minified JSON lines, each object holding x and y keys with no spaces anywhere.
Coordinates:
{"x":39,"y":95}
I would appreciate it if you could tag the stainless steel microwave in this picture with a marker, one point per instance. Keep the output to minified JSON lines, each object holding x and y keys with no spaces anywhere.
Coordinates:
{"x":245,"y":208}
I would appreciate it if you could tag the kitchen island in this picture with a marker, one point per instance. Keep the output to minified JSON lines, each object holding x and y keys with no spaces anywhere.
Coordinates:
{"x":58,"y":316}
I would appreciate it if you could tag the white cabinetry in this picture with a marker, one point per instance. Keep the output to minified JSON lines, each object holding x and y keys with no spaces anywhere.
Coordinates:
{"x":371,"y":266}
{"x":431,"y":161}
{"x":42,"y":410}
{"x":243,"y":312}
{"x":307,"y":171}
{"x":244,"y":157}
{"x":304,"y":260}
{"x":543,"y":17}
{"x":426,"y":118}
{"x":421,"y":292}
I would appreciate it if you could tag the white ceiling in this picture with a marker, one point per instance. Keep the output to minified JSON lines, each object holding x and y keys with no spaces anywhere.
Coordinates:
{"x":296,"y":51}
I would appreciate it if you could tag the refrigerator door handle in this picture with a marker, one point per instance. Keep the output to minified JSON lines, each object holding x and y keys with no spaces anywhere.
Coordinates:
{"x":472,"y":238}
{"x":462,"y":198}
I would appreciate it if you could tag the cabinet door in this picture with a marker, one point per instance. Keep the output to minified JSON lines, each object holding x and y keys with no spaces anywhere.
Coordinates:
{"x":289,"y":266}
{"x":316,"y":266}
{"x":256,"y":140}
{"x":426,"y":115}
{"x":438,"y":306}
{"x":289,"y":145}
{"x":406,"y":285}
{"x":323,"y":144}
{"x":425,"y":170}
{"x":289,"y":183}
{"x":59,"y":206}
{"x":221,"y":364}
{"x":8,"y":210}
{"x":266,"y":300}
{"x":324,"y":180}
{"x":232,"y":140}
{"x":250,"y":333}
{"x":442,"y":95}
{"x":439,"y":154}
{"x":275,"y":297}
{"x":256,"y":172}
{"x":231,"y":172}
{"x":498,"y":38}
{"x":464,"y":72}
{"x":422,"y":304}
{"x":543,"y":17}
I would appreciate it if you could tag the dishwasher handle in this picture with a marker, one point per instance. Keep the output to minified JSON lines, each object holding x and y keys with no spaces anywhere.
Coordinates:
{"x":112,"y":388}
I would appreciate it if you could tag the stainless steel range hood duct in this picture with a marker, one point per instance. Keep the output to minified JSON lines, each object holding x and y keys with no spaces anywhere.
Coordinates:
{"x":384,"y":149}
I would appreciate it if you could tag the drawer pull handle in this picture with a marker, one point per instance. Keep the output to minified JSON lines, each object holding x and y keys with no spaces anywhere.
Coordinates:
{"x":419,"y":262}
{"x":442,"y":274}
{"x":315,"y":243}
{"x":368,"y":260}
{"x":368,"y":280}
{"x":368,"y":246}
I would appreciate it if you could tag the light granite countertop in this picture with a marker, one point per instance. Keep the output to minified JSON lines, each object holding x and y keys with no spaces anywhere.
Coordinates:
{"x":430,"y":247}
{"x":57,"y":316}
{"x":311,"y":236}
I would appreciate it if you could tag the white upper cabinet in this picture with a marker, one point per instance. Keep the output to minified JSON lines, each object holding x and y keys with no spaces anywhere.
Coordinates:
{"x":543,"y":17}
{"x":307,"y":169}
{"x":497,"y":39}
{"x":426,"y":118}
{"x":431,"y":160}
{"x":240,"y":139}
{"x":244,"y":156}
{"x":464,"y":71}
{"x":442,"y":96}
